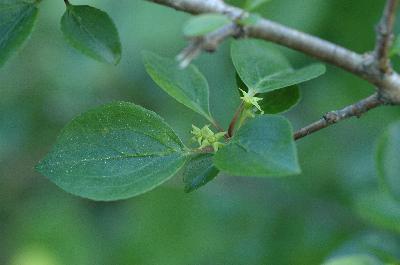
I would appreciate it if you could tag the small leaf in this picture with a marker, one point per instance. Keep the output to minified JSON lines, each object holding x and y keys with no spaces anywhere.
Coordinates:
{"x":263,"y":68}
{"x":395,"y":49}
{"x":380,"y":209}
{"x":17,"y":18}
{"x":276,"y":101}
{"x":113,"y":152}
{"x":92,"y":32}
{"x":249,"y":20}
{"x":203,"y":24}
{"x":188,"y":86}
{"x":199,"y":170}
{"x":356,"y":259}
{"x":388,"y":154}
{"x":263,"y":147}
{"x":250,"y":5}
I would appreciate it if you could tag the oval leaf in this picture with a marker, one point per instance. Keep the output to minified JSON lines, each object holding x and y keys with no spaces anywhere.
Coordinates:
{"x":203,"y":24}
{"x":92,"y":32}
{"x":17,"y":19}
{"x":380,"y":209}
{"x":188,"y":86}
{"x":198,"y":171}
{"x":388,"y":154}
{"x":263,"y":68}
{"x":114,"y":152}
{"x":263,"y":147}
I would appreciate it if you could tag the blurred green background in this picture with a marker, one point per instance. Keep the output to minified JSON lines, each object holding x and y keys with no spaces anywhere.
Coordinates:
{"x":298,"y":220}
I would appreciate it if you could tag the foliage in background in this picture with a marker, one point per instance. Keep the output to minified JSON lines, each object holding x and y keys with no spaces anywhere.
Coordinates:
{"x":254,"y":221}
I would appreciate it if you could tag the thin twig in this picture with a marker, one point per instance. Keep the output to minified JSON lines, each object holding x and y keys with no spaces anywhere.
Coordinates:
{"x":209,"y":43}
{"x":330,"y":118}
{"x":385,"y":36}
{"x":363,"y":66}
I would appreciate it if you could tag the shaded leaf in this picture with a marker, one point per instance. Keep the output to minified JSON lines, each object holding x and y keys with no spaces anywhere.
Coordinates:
{"x":276,"y":101}
{"x":199,"y":170}
{"x":203,"y":24}
{"x":388,"y":154}
{"x":263,"y":147}
{"x":188,"y":86}
{"x":92,"y":32}
{"x":113,"y":152}
{"x":380,"y":209}
{"x":263,"y":68}
{"x":17,"y":19}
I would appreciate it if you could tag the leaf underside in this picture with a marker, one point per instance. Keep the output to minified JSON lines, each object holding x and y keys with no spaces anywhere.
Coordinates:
{"x":188,"y":86}
{"x":198,"y":171}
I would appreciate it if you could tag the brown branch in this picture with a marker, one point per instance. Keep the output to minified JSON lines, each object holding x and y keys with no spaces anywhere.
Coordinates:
{"x":207,"y":43}
{"x":363,"y":66}
{"x":372,"y":67}
{"x":385,"y":36}
{"x":330,"y":118}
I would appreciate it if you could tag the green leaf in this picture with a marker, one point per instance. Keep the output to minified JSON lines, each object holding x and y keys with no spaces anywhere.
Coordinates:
{"x":395,"y":49}
{"x":199,"y":170}
{"x":381,"y":244}
{"x":249,"y":20}
{"x":263,"y":147}
{"x":263,"y":68}
{"x":380,"y":209}
{"x":203,"y":24}
{"x":17,"y":19}
{"x":281,"y":100}
{"x":250,"y":5}
{"x":388,"y":154}
{"x":188,"y":86}
{"x":356,"y":259}
{"x":114,"y":152}
{"x":276,"y":101}
{"x":92,"y":32}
